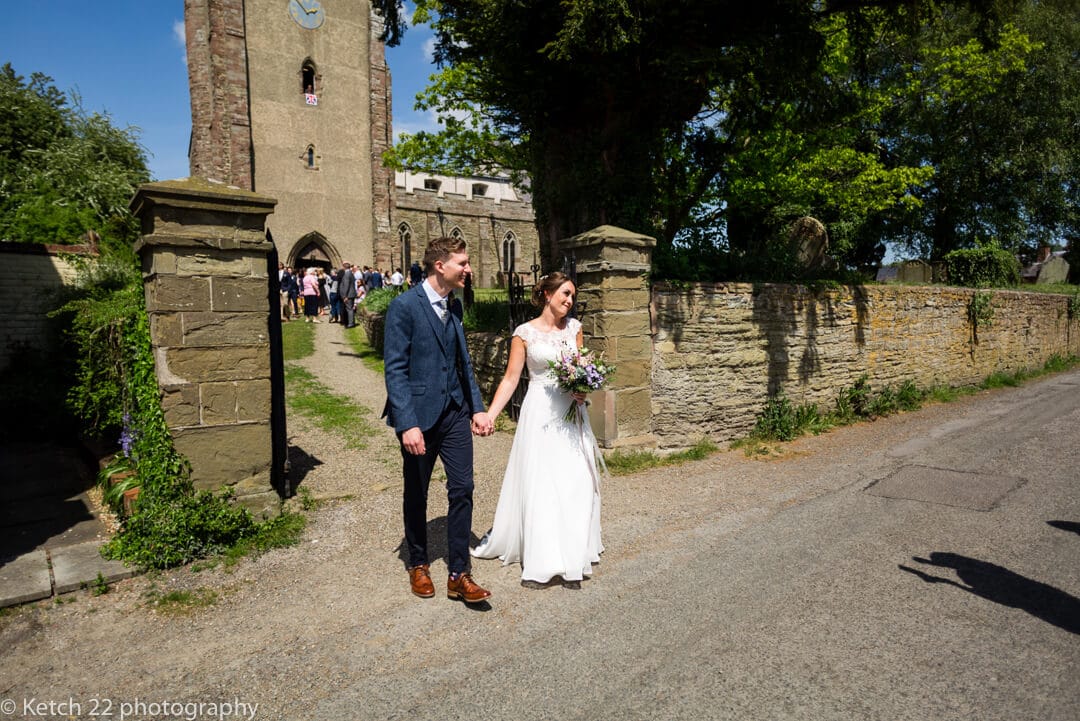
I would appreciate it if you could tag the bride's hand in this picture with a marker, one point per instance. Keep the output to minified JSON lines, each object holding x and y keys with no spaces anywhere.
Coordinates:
{"x":579,"y":397}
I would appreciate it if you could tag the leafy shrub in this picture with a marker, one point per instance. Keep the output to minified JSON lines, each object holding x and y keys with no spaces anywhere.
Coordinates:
{"x":116,"y":392}
{"x":377,"y":301}
{"x":987,"y":267}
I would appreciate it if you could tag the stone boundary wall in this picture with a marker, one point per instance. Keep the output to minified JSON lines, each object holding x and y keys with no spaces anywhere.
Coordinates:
{"x":31,"y":277}
{"x":720,"y":349}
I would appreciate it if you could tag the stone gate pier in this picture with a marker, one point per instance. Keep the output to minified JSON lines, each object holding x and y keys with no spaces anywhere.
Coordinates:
{"x":204,"y":257}
{"x":612,"y":272}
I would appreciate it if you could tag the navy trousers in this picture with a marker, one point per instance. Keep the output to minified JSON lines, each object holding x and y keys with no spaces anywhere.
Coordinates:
{"x":450,"y":440}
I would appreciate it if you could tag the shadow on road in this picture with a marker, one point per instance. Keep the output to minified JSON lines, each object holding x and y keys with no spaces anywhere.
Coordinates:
{"x":1066,"y":526}
{"x":1003,"y":586}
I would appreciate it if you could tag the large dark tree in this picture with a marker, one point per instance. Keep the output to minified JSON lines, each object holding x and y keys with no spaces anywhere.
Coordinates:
{"x":713,"y":124}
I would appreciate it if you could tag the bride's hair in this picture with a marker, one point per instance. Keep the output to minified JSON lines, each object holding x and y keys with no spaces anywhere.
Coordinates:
{"x":547,"y":284}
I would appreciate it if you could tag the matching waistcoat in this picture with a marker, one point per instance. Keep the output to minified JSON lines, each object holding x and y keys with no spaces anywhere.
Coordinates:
{"x":451,"y":364}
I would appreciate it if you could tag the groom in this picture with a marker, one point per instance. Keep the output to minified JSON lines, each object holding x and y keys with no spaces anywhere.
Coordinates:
{"x":432,"y":400}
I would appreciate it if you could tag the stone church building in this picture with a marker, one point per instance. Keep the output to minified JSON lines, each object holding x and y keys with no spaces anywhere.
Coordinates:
{"x":291,"y":99}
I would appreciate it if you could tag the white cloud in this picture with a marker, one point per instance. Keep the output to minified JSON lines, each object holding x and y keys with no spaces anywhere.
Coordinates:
{"x":429,"y":50}
{"x":180,"y":36}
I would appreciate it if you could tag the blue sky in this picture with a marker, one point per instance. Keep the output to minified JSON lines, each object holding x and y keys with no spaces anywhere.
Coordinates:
{"x":126,"y":58}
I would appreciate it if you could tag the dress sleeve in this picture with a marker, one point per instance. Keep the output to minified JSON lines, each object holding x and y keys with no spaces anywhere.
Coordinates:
{"x":522,"y":332}
{"x":573,"y":325}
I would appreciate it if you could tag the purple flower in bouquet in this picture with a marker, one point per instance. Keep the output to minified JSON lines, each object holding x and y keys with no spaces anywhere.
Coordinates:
{"x":580,"y":371}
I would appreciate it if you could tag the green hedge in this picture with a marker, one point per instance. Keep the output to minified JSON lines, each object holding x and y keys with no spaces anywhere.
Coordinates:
{"x":982,"y":268}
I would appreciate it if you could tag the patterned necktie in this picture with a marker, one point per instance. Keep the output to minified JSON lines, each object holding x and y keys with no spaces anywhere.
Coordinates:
{"x":444,"y":310}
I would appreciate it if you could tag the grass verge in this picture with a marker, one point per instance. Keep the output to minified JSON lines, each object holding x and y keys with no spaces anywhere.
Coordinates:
{"x":622,"y":463}
{"x":358,"y":341}
{"x":329,"y":411}
{"x":297,"y":340}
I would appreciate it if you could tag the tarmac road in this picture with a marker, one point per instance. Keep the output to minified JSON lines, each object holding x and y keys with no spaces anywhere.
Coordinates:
{"x":940,"y":579}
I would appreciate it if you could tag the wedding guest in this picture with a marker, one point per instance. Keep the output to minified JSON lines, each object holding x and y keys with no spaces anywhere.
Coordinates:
{"x":548,"y":515}
{"x":332,"y":289}
{"x":347,"y":289}
{"x":284,"y":280}
{"x":311,"y":296}
{"x":294,"y":289}
{"x":324,"y":295}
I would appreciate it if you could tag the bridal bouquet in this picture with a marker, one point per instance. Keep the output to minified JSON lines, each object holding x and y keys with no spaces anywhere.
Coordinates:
{"x":580,"y":371}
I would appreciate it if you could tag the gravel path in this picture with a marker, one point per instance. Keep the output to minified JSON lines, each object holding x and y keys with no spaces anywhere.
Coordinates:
{"x":301,"y":629}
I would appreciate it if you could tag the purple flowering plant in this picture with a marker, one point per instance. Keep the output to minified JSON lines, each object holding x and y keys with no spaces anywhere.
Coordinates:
{"x":128,"y":436}
{"x":580,"y":371}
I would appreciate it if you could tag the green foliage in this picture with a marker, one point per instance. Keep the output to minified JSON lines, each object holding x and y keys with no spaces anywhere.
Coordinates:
{"x":986,"y":267}
{"x":100,"y":586}
{"x":780,"y":420}
{"x":777,"y":420}
{"x":377,"y":301}
{"x":490,"y":316}
{"x":928,"y":125}
{"x":63,"y":172}
{"x":284,"y":531}
{"x":980,"y":312}
{"x":1074,"y":306}
{"x":116,"y":392}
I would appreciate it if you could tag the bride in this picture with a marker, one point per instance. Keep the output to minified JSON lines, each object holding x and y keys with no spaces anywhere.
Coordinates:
{"x":548,"y":516}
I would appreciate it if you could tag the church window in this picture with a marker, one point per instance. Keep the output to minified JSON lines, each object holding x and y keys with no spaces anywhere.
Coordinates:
{"x":431,"y":184}
{"x":405,"y":236}
{"x":307,"y":78}
{"x":308,"y":82}
{"x":311,"y":160}
{"x":479,"y":189}
{"x":457,"y":234}
{"x":509,"y":251}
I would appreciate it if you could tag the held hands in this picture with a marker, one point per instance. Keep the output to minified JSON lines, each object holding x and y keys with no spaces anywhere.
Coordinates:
{"x":579,"y":397}
{"x":482,"y":425}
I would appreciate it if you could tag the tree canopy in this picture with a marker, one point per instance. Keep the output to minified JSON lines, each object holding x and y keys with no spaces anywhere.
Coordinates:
{"x":714,"y":124}
{"x":63,"y":171}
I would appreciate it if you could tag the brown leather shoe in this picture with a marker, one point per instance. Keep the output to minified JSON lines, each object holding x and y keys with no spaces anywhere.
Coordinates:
{"x":466,"y":589}
{"x":420,"y":580}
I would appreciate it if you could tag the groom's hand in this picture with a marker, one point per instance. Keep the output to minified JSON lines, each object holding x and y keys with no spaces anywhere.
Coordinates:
{"x":482,"y":424}
{"x":413,"y":440}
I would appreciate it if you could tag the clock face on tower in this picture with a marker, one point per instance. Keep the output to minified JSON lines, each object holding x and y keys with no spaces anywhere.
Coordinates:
{"x":307,"y":13}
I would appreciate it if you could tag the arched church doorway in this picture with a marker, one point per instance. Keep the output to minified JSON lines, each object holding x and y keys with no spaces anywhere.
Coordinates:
{"x":314,"y":251}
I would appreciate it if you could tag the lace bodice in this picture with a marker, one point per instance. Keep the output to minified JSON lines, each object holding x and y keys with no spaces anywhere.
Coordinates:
{"x":541,"y":347}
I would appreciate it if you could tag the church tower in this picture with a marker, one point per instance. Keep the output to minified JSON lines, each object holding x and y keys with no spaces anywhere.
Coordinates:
{"x":291,"y":99}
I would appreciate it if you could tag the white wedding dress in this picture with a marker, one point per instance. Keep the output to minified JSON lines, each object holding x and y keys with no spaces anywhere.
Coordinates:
{"x":548,"y":516}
